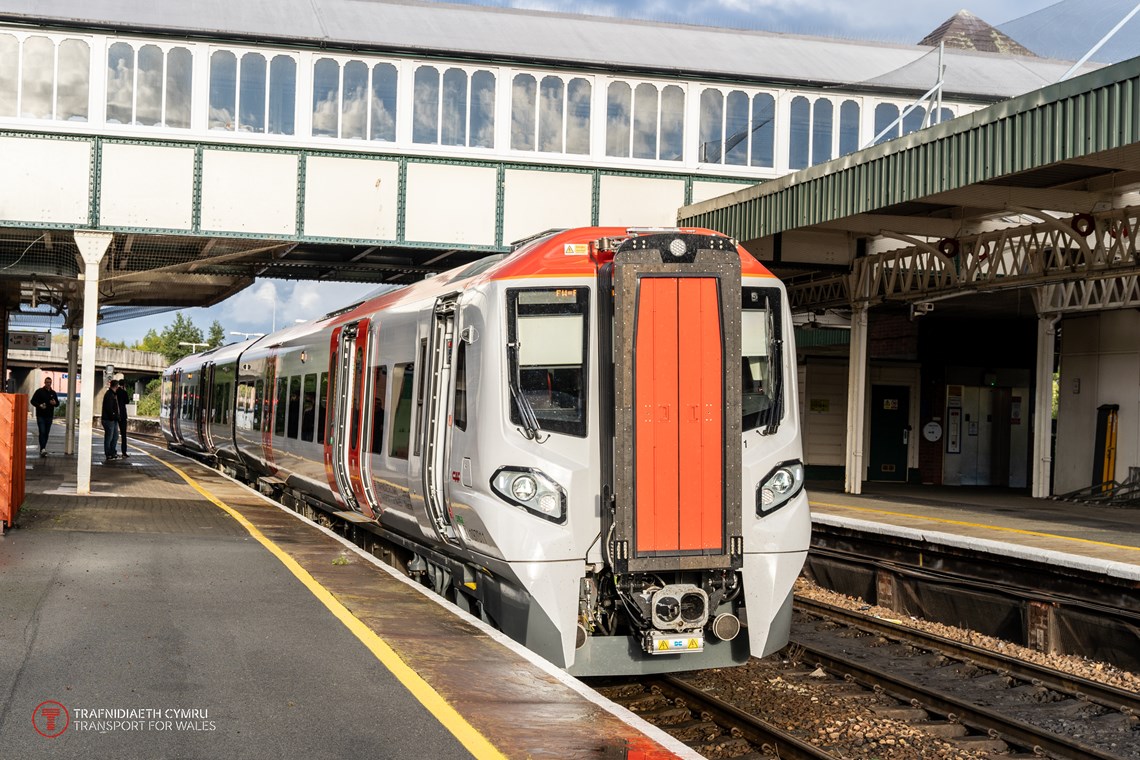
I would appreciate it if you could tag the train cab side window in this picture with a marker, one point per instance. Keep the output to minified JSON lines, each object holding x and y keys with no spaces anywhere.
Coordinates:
{"x":379,"y":403}
{"x":322,"y":406}
{"x":420,"y":395}
{"x":761,"y":325}
{"x":459,"y":411}
{"x":547,"y":337}
{"x":403,"y":382}
{"x":279,"y":407}
{"x":293,"y":417}
{"x":308,"y":407}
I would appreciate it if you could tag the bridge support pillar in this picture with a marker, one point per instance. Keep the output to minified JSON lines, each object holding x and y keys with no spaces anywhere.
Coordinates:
{"x":72,"y":386}
{"x":92,"y":247}
{"x":856,"y":399}
{"x":1043,"y":406}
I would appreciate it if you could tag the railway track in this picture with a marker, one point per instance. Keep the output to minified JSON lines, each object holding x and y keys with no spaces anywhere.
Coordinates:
{"x":707,"y":723}
{"x":1028,"y":706}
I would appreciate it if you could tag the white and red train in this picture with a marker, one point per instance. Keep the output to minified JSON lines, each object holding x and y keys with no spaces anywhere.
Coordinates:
{"x":591,"y":442}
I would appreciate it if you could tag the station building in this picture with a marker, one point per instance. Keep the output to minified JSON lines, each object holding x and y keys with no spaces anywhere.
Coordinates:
{"x":166,"y":154}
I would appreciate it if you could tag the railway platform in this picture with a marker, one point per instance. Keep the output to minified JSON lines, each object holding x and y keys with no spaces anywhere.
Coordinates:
{"x":175,"y":613}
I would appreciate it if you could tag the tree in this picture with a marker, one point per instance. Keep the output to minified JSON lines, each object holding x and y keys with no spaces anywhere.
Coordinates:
{"x":217,"y":335}
{"x":150,"y":342}
{"x":181,"y":330}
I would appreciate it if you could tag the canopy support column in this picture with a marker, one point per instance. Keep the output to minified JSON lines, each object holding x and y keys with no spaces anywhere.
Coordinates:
{"x":1043,"y":406}
{"x":856,"y":399}
{"x":92,"y":247}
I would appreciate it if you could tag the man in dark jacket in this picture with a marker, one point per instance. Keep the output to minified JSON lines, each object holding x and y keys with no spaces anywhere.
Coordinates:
{"x":45,"y":400}
{"x":110,"y":419}
{"x":122,"y":397}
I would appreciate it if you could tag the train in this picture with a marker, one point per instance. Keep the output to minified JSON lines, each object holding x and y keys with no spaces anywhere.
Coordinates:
{"x":591,"y":442}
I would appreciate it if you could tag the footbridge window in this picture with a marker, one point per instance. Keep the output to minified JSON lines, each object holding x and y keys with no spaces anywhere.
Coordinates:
{"x":737,"y":129}
{"x":551,"y":115}
{"x":812,"y":130}
{"x":456,"y":108}
{"x":645,"y":122}
{"x":354,"y":100}
{"x":253,"y":93}
{"x":44,"y":78}
{"x":149,"y":85}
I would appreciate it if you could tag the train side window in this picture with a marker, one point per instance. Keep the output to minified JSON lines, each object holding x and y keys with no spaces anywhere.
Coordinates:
{"x":403,"y":379}
{"x":760,"y":327}
{"x":258,"y":403}
{"x":279,"y":407}
{"x":308,"y":407}
{"x":294,"y":414}
{"x":322,"y":406}
{"x":379,"y":403}
{"x":459,"y":413}
{"x":420,"y":394}
{"x":547,"y":332}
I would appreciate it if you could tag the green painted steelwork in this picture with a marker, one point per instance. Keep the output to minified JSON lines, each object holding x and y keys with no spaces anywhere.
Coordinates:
{"x":1069,"y":120}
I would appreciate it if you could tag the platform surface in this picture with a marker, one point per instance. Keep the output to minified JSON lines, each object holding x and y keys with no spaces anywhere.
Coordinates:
{"x":187,"y":617}
{"x":999,"y":520}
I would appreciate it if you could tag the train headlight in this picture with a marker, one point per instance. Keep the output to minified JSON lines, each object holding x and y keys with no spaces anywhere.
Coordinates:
{"x":778,"y":488}
{"x":532,"y":490}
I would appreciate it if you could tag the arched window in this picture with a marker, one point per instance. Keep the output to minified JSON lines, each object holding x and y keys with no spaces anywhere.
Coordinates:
{"x":672,"y":143}
{"x":885,"y":113}
{"x":383,"y":116}
{"x":912,"y":122}
{"x":354,"y":101}
{"x":763,"y":130}
{"x":822,"y":124}
{"x":524,"y":89}
{"x":711,"y":127}
{"x":326,"y":97}
{"x":736,"y":129}
{"x":9,"y":86}
{"x":282,"y":95}
{"x":578,"y":116}
{"x":848,"y":127}
{"x":148,"y":98}
{"x":945,"y":115}
{"x":73,"y":81}
{"x":645,"y":121}
{"x":619,"y":105}
{"x":120,"y":83}
{"x":37,"y":79}
{"x":482,"y":131}
{"x":550,"y":114}
{"x":251,"y":97}
{"x":799,"y":133}
{"x":223,"y":90}
{"x":453,"y":125}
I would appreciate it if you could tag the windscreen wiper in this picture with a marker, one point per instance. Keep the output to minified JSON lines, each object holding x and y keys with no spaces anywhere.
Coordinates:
{"x":530,"y":429}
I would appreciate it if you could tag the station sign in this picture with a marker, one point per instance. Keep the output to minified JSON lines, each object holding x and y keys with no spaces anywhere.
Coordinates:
{"x":27,"y":340}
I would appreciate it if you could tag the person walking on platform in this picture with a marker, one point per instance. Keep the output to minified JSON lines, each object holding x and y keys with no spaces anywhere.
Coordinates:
{"x":45,"y":400}
{"x":110,"y":419}
{"x":122,"y":397}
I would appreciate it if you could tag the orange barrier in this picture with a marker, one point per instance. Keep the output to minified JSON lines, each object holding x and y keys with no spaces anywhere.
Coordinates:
{"x":13,"y":455}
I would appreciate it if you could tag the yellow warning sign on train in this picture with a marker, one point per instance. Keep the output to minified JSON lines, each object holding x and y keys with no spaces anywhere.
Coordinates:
{"x":660,"y":643}
{"x":576,"y":249}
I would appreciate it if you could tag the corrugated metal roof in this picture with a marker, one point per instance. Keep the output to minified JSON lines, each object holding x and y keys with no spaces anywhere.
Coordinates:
{"x":556,"y":39}
{"x":1080,"y":117}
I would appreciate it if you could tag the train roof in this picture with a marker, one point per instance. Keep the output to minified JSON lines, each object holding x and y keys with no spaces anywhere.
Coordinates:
{"x":559,"y":253}
{"x":557,"y":39}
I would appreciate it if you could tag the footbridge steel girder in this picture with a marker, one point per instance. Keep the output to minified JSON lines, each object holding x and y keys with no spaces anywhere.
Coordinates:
{"x":1087,"y":261}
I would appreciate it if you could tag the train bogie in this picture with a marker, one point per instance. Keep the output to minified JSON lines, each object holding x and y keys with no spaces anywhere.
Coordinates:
{"x":591,"y":443}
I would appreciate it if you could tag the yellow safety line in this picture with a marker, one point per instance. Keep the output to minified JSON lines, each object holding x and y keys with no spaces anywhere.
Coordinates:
{"x":475,"y":743}
{"x":975,"y":525}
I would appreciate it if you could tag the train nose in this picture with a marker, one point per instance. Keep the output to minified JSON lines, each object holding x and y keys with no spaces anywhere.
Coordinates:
{"x":679,"y":607}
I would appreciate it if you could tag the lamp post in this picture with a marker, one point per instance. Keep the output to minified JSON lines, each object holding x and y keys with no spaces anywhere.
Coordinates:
{"x":193,"y":345}
{"x":247,"y":335}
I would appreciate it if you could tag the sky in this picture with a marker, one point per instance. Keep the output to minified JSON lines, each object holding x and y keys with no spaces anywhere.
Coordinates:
{"x":270,"y":303}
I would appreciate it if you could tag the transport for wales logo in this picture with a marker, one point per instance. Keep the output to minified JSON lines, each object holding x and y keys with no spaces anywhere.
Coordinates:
{"x":50,"y":719}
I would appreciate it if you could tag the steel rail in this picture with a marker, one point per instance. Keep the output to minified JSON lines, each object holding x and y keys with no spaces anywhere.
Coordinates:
{"x":751,"y":727}
{"x":979,"y":718}
{"x":1102,"y":694}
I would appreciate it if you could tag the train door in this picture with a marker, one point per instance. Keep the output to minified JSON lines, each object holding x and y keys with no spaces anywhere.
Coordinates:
{"x":268,"y":401}
{"x":437,"y":425}
{"x":174,"y":411}
{"x":350,"y":388}
{"x":207,"y":393}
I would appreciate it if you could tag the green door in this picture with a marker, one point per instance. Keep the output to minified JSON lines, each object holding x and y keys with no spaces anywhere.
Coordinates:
{"x":890,"y":432}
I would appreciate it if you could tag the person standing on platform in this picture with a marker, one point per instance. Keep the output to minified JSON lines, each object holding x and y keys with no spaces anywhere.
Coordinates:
{"x":110,"y":419}
{"x":122,"y":397}
{"x":45,"y":400}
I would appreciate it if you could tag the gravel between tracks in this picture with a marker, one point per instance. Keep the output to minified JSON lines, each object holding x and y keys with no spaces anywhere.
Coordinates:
{"x":820,"y":710}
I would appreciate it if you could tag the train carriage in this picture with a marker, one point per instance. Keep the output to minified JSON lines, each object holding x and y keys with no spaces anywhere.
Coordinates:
{"x":588,"y":442}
